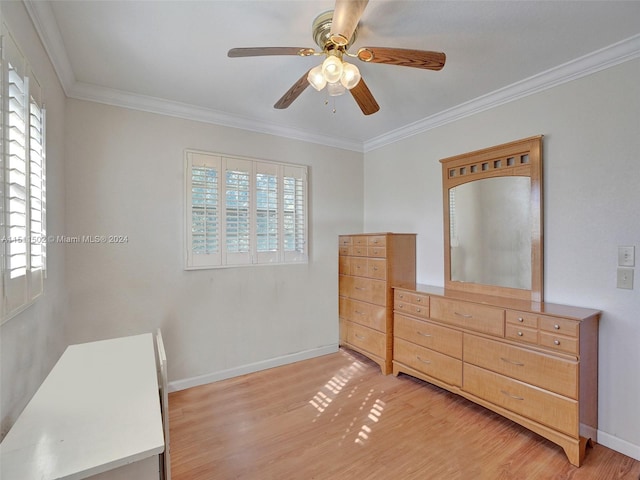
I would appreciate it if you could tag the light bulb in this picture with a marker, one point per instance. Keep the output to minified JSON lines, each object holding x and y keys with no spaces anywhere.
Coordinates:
{"x":350,"y":75}
{"x":335,"y":89}
{"x":316,"y":78}
{"x":332,"y":69}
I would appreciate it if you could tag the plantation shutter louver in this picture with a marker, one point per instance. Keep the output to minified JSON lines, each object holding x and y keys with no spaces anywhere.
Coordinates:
{"x":295,"y":208}
{"x":203,"y":216}
{"x":37,"y":188}
{"x":16,"y":291}
{"x":22,"y":181}
{"x":238,"y":200}
{"x":267,"y":206}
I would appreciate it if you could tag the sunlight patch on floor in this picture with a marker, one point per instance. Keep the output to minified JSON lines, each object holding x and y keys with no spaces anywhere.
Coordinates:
{"x":334,"y":387}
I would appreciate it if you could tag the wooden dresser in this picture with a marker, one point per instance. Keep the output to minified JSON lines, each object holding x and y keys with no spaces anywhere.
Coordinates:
{"x":369,"y":266}
{"x":534,"y":363}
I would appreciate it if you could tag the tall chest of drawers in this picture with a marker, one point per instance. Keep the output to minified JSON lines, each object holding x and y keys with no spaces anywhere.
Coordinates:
{"x":369,"y":266}
{"x":534,"y":363}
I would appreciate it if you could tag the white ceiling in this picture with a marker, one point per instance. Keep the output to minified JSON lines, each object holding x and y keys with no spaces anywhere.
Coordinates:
{"x":171,"y":57}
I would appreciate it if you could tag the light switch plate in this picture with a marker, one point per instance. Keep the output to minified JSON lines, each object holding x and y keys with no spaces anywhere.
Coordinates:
{"x":625,"y":278}
{"x":626,"y":256}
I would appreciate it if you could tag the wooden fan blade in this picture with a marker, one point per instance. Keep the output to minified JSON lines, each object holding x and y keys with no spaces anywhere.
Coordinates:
{"x":403,"y":57}
{"x":346,"y":16}
{"x":293,"y":93}
{"x":364,"y":98}
{"x":261,"y":51}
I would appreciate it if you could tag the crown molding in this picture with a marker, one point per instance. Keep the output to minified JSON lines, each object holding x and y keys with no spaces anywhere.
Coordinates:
{"x":45,"y":24}
{"x":119,"y":98}
{"x":602,"y":59}
{"x":47,"y":28}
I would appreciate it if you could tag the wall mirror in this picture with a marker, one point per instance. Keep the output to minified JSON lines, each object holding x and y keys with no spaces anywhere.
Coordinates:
{"x":493,"y":220}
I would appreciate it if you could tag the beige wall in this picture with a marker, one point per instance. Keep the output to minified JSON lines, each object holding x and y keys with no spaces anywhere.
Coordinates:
{"x":124,"y":176}
{"x":32,"y":341}
{"x":591,"y":205}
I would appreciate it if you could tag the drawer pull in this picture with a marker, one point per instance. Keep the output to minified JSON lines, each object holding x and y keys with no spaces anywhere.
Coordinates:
{"x":375,"y":269}
{"x":427,"y":362}
{"x":520,"y":319}
{"x":359,"y":337}
{"x":512,"y":362}
{"x":556,"y":342}
{"x":515,"y":397}
{"x":401,"y":296}
{"x":556,"y":326}
{"x":423,"y":334}
{"x":418,"y":310}
{"x":520,"y":334}
{"x":463,"y":315}
{"x":418,"y":300}
{"x":361,"y":289}
{"x":360,"y":313}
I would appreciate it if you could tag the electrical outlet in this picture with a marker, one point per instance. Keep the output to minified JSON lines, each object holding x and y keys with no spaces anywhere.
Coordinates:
{"x":626,"y":256}
{"x":625,"y":278}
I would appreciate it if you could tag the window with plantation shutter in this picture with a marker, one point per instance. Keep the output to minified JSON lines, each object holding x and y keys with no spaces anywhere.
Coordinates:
{"x":237,"y":208}
{"x":242,"y":211}
{"x":203,"y":211}
{"x":23,"y":213}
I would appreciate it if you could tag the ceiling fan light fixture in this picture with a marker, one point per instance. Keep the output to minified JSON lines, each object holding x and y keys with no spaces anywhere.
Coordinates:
{"x":332,"y":68}
{"x":350,"y":75}
{"x":335,"y":89}
{"x":316,"y":78}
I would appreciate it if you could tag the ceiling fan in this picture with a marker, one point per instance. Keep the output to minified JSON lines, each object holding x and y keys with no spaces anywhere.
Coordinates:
{"x":334,"y":32}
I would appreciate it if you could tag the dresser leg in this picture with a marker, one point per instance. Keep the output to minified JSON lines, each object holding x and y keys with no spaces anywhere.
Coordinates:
{"x":576,"y":452}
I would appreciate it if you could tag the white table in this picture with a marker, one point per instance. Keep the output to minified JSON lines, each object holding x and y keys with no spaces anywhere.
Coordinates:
{"x":96,"y":415}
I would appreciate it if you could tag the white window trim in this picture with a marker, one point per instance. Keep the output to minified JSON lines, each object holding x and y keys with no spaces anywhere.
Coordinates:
{"x":22,"y":290}
{"x":222,"y":258}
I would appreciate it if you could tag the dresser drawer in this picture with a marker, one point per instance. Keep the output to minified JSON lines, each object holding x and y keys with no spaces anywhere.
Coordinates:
{"x":367,"y":314}
{"x":542,"y":370}
{"x":410,"y":309}
{"x":553,"y":410}
{"x":345,"y":285}
{"x":521,"y":334}
{"x":472,"y":316}
{"x":378,"y":252}
{"x":343,"y":307}
{"x":368,"y":290}
{"x":377,"y":240}
{"x":561,"y":326}
{"x":441,"y":339}
{"x":367,"y":339}
{"x":431,"y":363}
{"x":360,"y":240}
{"x":401,"y":296}
{"x":359,"y":251}
{"x":344,"y":241}
{"x":344,"y":251}
{"x":377,"y":268}
{"x":524,"y":319}
{"x":418,"y":299}
{"x":344,"y":265}
{"x":559,"y":343}
{"x":359,"y":266}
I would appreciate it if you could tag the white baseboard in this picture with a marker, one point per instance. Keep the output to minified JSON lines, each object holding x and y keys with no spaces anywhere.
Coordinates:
{"x":250,"y":368}
{"x":619,"y":445}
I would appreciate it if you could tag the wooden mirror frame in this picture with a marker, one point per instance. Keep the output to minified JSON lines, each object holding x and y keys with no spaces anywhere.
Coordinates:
{"x":519,"y":158}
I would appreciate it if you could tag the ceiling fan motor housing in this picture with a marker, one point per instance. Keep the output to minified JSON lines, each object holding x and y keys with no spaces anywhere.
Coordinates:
{"x":322,"y":29}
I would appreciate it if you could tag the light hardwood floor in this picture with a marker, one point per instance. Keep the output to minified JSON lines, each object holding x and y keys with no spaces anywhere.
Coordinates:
{"x":337,"y":417}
